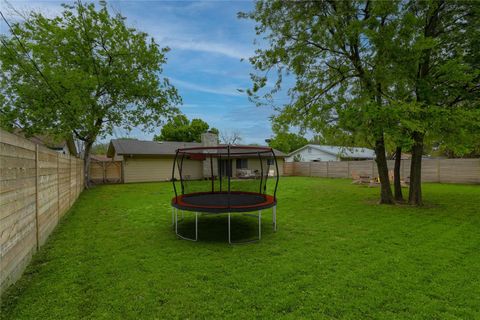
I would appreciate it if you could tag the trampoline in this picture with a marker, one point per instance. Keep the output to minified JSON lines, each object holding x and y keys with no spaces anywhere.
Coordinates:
{"x":225,"y":179}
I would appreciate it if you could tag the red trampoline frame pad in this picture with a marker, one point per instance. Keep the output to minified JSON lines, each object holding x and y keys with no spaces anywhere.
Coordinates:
{"x":178,"y":203}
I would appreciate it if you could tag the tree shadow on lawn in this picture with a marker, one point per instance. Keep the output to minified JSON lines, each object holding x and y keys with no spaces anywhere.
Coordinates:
{"x":214,"y":227}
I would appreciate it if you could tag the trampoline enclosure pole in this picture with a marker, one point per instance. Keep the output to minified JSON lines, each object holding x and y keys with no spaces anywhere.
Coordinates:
{"x":229,"y":173}
{"x":180,"y":173}
{"x":220,"y":171}
{"x":261,"y":172}
{"x":266,"y":179}
{"x":211,"y":171}
{"x":173,"y":175}
{"x":278,"y":175}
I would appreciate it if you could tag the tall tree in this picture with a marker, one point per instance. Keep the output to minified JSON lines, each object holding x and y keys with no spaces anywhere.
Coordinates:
{"x":84,"y":71}
{"x":384,"y":71}
{"x":335,"y":50}
{"x":230,"y":137}
{"x":438,"y":57}
{"x":180,"y":128}
{"x":287,"y":141}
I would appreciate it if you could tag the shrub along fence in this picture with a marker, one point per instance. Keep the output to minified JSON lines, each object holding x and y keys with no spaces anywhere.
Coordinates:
{"x":37,"y":187}
{"x":433,"y":170}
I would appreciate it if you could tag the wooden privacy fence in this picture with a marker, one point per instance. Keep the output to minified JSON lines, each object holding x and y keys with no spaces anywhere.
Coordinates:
{"x":433,"y":170}
{"x":37,"y":187}
{"x":105,"y":172}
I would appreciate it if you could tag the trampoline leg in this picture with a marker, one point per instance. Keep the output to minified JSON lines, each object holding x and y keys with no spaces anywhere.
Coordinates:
{"x":229,"y":238}
{"x":246,"y":241}
{"x":274,"y":211}
{"x":196,"y":227}
{"x":176,"y":221}
{"x":259,"y":224}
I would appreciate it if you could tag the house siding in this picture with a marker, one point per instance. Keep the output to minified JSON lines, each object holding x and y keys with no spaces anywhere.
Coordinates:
{"x":254,"y":164}
{"x":158,"y":169}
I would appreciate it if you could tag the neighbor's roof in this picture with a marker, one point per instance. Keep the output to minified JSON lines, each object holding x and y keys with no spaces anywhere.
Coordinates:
{"x":50,"y":142}
{"x":343,"y":152}
{"x":153,"y":148}
{"x":104,"y":158}
{"x":140,"y":147}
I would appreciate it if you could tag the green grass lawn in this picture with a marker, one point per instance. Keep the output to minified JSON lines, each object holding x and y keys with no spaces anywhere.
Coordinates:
{"x":336,"y":254}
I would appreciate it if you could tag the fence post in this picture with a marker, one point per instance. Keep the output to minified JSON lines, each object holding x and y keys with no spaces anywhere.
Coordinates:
{"x":78,"y":177}
{"x":58,"y":187}
{"x":348,"y":169}
{"x":104,"y":171}
{"x":327,"y":169}
{"x":438,"y":170}
{"x":310,"y":169}
{"x":69,"y":181}
{"x":36,"y":194}
{"x":373,"y":168}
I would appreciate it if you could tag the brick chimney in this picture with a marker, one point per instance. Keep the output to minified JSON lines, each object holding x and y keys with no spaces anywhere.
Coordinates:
{"x":210,"y":139}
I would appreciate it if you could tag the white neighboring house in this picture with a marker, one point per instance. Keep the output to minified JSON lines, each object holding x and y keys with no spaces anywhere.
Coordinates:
{"x":316,"y":152}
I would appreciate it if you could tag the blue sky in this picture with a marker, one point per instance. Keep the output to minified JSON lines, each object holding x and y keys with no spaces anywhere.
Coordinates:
{"x":207,"y":43}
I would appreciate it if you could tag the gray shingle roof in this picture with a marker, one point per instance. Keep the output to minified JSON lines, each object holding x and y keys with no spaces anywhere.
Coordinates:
{"x":141,"y":147}
{"x":343,"y":152}
{"x":347,"y":152}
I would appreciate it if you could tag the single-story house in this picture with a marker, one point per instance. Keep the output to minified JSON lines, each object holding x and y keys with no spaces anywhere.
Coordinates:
{"x":144,"y":161}
{"x":316,"y":152}
{"x":63,"y":146}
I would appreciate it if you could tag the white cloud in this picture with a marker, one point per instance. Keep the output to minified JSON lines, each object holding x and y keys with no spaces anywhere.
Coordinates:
{"x":229,"y":91}
{"x":49,"y":9}
{"x":187,"y":34}
{"x":226,"y":49}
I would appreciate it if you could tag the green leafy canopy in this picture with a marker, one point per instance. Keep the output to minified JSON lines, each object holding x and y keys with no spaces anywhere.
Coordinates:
{"x":356,"y":67}
{"x":287,"y":141}
{"x":98,"y":72}
{"x":180,"y":128}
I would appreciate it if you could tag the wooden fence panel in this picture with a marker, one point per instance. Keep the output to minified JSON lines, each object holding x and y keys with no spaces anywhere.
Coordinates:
{"x":82,"y":176}
{"x":429,"y":170}
{"x":433,"y":170}
{"x":302,"y":169}
{"x":361,"y":168}
{"x":73,"y":180}
{"x":47,"y":193}
{"x":459,"y":170}
{"x":288,"y":168}
{"x":35,"y":190}
{"x":319,"y":169}
{"x":64,"y":183}
{"x":18,"y":239}
{"x":106,"y":172}
{"x":338,"y":169}
{"x":96,"y":171}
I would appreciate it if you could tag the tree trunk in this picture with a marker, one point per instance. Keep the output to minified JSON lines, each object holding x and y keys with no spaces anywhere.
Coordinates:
{"x":415,"y":192}
{"x":386,"y":196}
{"x":397,"y":185}
{"x":86,"y":163}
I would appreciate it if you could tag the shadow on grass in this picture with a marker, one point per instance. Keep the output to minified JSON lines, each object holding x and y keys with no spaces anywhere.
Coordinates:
{"x":214,"y":228}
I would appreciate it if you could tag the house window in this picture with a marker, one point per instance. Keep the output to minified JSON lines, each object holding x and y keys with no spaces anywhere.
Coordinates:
{"x":309,"y":150}
{"x":270,"y":162}
{"x":242,"y":163}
